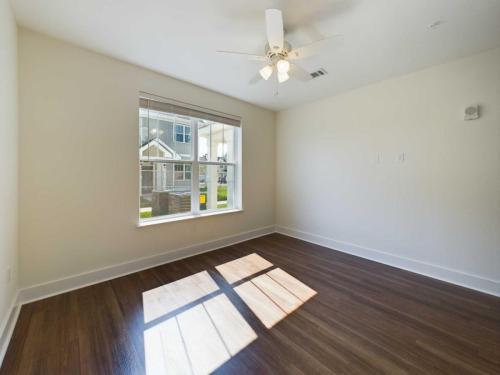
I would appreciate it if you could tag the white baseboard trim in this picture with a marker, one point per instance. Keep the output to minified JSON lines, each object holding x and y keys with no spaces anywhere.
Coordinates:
{"x":431,"y":270}
{"x":66,"y":284}
{"x":7,"y":326}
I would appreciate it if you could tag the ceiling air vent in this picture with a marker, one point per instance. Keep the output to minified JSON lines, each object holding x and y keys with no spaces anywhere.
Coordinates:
{"x":319,"y":73}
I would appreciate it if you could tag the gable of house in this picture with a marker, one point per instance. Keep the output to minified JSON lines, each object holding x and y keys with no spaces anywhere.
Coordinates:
{"x":157,"y":149}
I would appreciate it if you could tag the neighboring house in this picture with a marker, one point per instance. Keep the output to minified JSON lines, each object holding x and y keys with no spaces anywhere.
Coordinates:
{"x":160,"y":126}
{"x":164,"y":137}
{"x":162,"y":176}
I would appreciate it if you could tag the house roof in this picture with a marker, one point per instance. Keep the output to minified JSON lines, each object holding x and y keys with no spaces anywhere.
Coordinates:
{"x":157,"y":142}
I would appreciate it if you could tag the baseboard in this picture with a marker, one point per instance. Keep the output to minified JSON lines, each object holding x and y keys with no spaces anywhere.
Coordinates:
{"x":437,"y":272}
{"x":63,"y":285}
{"x":7,"y":326}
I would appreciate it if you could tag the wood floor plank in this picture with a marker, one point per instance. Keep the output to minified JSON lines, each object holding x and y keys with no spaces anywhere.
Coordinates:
{"x":243,"y":267}
{"x":271,"y":305}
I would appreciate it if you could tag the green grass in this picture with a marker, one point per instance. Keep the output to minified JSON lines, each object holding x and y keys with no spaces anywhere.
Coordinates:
{"x":146,"y":214}
{"x":221,"y":192}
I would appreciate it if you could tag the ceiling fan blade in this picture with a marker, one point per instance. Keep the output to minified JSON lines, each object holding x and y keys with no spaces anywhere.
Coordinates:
{"x":274,"y":28}
{"x":299,"y":73}
{"x":255,"y":79}
{"x":250,"y":56}
{"x":311,"y":49}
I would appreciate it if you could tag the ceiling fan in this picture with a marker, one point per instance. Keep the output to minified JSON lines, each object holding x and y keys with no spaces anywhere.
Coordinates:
{"x":278,"y":52}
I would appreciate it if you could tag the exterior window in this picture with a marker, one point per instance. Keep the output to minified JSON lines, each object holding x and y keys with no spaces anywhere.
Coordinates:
{"x":182,"y":172}
{"x":188,"y":165}
{"x":183,"y":133}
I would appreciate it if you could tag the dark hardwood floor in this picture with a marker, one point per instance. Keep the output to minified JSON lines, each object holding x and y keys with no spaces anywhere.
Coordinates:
{"x":366,"y":318}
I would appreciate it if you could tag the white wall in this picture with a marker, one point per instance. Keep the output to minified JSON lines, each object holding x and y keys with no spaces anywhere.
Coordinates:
{"x":439,"y":210}
{"x":8,"y":160}
{"x":79,"y":165}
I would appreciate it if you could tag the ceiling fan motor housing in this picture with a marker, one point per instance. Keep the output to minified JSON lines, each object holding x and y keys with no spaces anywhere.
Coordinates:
{"x":274,"y":55}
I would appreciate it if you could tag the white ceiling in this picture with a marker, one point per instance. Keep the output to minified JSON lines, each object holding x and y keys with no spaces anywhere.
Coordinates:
{"x":382,"y":38}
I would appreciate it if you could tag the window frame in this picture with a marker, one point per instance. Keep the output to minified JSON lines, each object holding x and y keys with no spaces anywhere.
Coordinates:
{"x":183,"y":134}
{"x":195,"y":163}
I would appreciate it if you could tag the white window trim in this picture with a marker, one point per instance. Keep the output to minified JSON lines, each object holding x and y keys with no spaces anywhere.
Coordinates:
{"x":189,"y":216}
{"x":195,"y":184}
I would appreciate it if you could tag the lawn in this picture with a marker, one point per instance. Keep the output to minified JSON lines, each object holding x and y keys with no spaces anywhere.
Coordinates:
{"x":221,"y":192}
{"x":146,"y":214}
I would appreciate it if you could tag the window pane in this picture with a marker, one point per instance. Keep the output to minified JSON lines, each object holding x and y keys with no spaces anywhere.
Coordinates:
{"x":203,"y":141}
{"x":229,"y":143}
{"x":216,"y":187}
{"x":165,"y":131}
{"x":143,"y":126}
{"x":161,"y":192}
{"x":216,"y":142}
{"x":160,"y":139}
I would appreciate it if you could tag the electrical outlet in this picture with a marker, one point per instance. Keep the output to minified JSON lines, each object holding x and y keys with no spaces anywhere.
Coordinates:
{"x":401,"y":157}
{"x":9,"y":275}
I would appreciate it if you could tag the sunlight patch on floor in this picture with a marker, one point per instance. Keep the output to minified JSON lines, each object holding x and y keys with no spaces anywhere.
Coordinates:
{"x":197,"y":340}
{"x":167,"y":298}
{"x":295,"y":286}
{"x":196,"y":328}
{"x":274,"y":295}
{"x":243,"y":267}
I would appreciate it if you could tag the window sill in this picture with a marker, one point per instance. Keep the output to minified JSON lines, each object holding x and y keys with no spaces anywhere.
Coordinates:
{"x":162,"y":220}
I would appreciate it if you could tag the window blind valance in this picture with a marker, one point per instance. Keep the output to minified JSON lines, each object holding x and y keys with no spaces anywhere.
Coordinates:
{"x":185,"y":109}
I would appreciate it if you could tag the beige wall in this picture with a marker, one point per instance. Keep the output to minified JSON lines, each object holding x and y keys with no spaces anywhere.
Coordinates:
{"x":337,"y":163}
{"x":440,"y":206}
{"x":8,"y":160}
{"x":79,"y":162}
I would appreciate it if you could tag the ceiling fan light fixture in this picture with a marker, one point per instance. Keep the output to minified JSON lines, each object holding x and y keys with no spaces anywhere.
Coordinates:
{"x":283,"y":77}
{"x":283,"y":66}
{"x":266,"y":72}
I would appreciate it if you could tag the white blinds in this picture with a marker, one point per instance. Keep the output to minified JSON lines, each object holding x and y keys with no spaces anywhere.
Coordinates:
{"x":184,"y":109}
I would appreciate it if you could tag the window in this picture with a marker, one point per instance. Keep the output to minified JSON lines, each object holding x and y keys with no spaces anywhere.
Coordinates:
{"x":183,"y":133}
{"x":182,"y":172}
{"x":189,"y":160}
